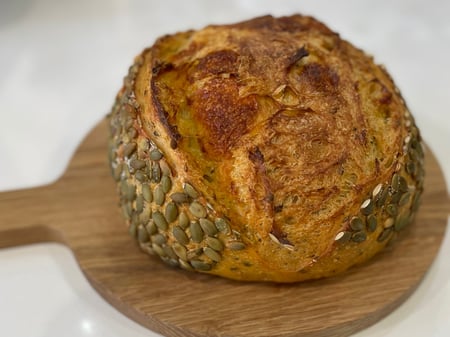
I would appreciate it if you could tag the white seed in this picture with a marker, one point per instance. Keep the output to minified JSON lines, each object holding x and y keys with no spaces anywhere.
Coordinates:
{"x":274,"y":238}
{"x":377,"y":190}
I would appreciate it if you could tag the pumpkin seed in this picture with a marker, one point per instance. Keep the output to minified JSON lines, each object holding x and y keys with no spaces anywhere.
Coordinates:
{"x":359,"y":236}
{"x":151,"y":228}
{"x":222,"y":225}
{"x":170,"y":253}
{"x":145,"y":215}
{"x":142,"y":234}
{"x":388,"y":223}
{"x":391,"y":209}
{"x":395,"y":198}
{"x":356,"y":223}
{"x":404,"y":199}
{"x":159,"y":239}
{"x":197,"y":210}
{"x":401,"y":222}
{"x":180,"y":251}
{"x":190,"y":191}
{"x":166,"y":183}
{"x":415,"y":202}
{"x":402,"y":184}
{"x":158,"y":249}
{"x":395,"y":182}
{"x":140,"y":176}
{"x":196,"y":232}
{"x":411,"y":168}
{"x":208,"y":227}
{"x":147,"y":193}
{"x":180,"y":235}
{"x":212,"y":254}
{"x":367,"y":207}
{"x":185,"y":265}
{"x":214,"y":243}
{"x":371,"y":223}
{"x":132,"y":230}
{"x":117,"y":172}
{"x":137,"y":164}
{"x":165,"y":169}
{"x":159,"y":220}
{"x":236,"y":245}
{"x":180,"y":198}
{"x":139,"y":203}
{"x":129,"y":149}
{"x":171,"y":212}
{"x":158,"y":195}
{"x":200,"y":265}
{"x":183,"y":220}
{"x":155,"y":155}
{"x":343,"y":236}
{"x":384,"y":234}
{"x":156,"y":172}
{"x":382,"y":197}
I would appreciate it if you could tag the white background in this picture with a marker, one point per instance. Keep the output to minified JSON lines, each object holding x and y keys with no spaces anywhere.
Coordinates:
{"x":61,"y":63}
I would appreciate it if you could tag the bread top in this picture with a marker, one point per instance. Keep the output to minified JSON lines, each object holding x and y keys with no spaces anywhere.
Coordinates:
{"x":283,"y":128}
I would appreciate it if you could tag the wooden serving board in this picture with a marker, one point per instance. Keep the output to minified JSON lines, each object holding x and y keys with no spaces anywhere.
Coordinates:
{"x":81,"y":211}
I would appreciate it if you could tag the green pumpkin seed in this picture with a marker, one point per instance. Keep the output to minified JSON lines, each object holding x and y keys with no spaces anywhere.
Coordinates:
{"x":183,"y":220}
{"x":155,"y":155}
{"x":196,"y":232}
{"x":384,"y":234}
{"x":171,"y":212}
{"x":180,"y":198}
{"x":404,"y":199}
{"x":139,"y":203}
{"x":145,"y":215}
{"x":222,"y":225}
{"x":180,"y":251}
{"x":402,"y":184}
{"x":371,"y":223}
{"x":197,"y":210}
{"x":159,"y":239}
{"x":165,"y":169}
{"x":343,"y":237}
{"x":411,"y":168}
{"x":416,"y":202}
{"x":214,"y":243}
{"x":156,"y":173}
{"x":395,"y":198}
{"x":200,"y":265}
{"x":127,"y":210}
{"x":395,"y":182}
{"x":180,"y":235}
{"x":356,"y":224}
{"x":140,"y":176}
{"x":367,"y":207}
{"x":137,"y":164}
{"x":391,"y":209}
{"x":117,"y":172}
{"x":147,"y":193}
{"x":401,"y":222}
{"x":359,"y":236}
{"x":166,"y":183}
{"x":129,"y":149}
{"x":170,"y":253}
{"x":158,"y":250}
{"x":151,"y":228}
{"x":208,"y":227}
{"x":190,"y":191}
{"x":160,"y":220}
{"x":236,"y":245}
{"x":143,"y":235}
{"x":382,"y":197}
{"x":158,"y":195}
{"x":185,"y":265}
{"x":212,"y":254}
{"x":132,"y":230}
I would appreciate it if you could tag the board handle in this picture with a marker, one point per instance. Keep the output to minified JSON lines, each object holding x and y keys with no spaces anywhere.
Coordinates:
{"x":27,"y":216}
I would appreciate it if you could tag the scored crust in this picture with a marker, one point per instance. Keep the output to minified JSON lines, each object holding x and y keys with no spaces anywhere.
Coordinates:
{"x":265,"y":150}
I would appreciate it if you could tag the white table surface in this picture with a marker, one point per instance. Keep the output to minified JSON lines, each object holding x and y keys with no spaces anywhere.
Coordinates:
{"x":61,"y":63}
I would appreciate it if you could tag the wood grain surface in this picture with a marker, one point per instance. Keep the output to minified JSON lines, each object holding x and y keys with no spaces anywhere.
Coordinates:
{"x":81,"y":211}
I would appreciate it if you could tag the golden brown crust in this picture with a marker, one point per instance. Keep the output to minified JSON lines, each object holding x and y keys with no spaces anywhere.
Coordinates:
{"x":286,"y":131}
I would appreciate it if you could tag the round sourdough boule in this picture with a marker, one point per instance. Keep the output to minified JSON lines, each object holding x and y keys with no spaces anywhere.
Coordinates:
{"x":267,"y":150}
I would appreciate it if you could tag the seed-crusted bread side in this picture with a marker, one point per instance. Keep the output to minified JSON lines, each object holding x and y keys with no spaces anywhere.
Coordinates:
{"x":267,"y":150}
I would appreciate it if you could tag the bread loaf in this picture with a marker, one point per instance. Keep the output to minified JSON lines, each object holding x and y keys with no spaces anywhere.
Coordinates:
{"x":267,"y":150}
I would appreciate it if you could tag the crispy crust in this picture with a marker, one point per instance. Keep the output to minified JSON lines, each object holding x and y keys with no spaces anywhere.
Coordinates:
{"x":284,"y":130}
